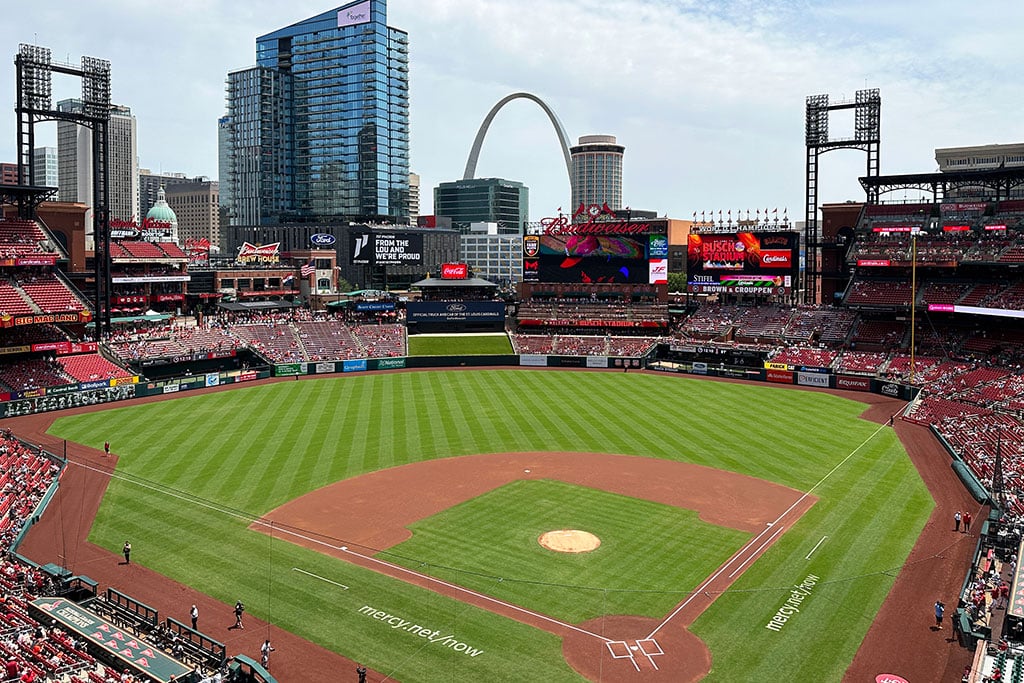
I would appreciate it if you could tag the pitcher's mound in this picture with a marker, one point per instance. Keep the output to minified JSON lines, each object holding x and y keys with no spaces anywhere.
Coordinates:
{"x":569,"y":541}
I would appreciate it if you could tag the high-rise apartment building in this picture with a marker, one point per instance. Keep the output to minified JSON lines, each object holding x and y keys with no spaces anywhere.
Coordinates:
{"x":414,"y":198}
{"x":319,"y":128}
{"x":74,"y":161}
{"x":44,"y":166}
{"x":8,"y":173}
{"x":484,"y":200}
{"x":597,"y":171}
{"x":223,"y":165}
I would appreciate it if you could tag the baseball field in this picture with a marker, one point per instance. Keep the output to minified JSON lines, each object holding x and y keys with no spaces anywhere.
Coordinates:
{"x":394,"y":519}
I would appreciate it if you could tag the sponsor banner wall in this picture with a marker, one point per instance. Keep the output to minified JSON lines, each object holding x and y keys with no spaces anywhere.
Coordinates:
{"x":775,"y":366}
{"x":386,"y":248}
{"x":597,"y":361}
{"x":700,"y":368}
{"x":324,"y":368}
{"x":287,"y":369}
{"x":533,"y":360}
{"x":390,"y":363}
{"x":455,"y":311}
{"x":212,"y":379}
{"x":363,"y":306}
{"x":811,"y":379}
{"x":779,"y":376}
{"x":853,"y":383}
{"x":822,"y":371}
{"x":353,"y":365}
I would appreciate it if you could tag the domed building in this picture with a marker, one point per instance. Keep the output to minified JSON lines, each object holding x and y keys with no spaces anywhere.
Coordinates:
{"x":161,"y":224}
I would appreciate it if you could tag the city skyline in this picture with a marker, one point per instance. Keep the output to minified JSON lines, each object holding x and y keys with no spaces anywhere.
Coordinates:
{"x":708,"y":99}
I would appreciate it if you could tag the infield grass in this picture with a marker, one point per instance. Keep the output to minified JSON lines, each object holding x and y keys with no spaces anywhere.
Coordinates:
{"x":194,"y":471}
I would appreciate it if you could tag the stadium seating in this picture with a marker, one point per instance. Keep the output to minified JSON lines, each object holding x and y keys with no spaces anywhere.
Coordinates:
{"x":51,"y":295}
{"x":88,"y":367}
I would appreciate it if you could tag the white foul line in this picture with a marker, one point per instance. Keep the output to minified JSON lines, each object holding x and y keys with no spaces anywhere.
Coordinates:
{"x":317,"y":576}
{"x":815,"y":547}
{"x":757,"y":550}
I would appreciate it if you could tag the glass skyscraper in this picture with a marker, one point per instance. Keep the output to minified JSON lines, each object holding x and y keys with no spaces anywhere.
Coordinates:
{"x":319,"y":128}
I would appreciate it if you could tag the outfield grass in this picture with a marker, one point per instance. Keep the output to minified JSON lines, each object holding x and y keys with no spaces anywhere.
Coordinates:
{"x":460,"y":345}
{"x":243,"y":452}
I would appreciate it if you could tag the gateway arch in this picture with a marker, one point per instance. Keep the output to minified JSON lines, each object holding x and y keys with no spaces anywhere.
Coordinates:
{"x":563,"y":139}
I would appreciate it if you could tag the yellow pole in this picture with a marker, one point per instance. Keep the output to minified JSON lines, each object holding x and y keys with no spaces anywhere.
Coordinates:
{"x":913,"y":297}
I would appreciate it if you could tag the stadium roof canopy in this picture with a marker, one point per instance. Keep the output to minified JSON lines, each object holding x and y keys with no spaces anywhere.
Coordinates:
{"x":1001,"y":182}
{"x":437,"y":283}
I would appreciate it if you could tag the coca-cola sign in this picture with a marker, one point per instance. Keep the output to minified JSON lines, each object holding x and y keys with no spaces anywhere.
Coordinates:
{"x":454,"y":271}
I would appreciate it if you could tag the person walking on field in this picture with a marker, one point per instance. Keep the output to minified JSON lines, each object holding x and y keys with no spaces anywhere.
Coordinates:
{"x":239,"y":609}
{"x":956,"y":521}
{"x":127,"y":550}
{"x":940,"y":609}
{"x":194,"y":613}
{"x":967,"y":522}
{"x":265,"y":651}
{"x":106,"y":448}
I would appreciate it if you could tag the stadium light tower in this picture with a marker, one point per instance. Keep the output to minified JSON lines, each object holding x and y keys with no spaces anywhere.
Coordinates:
{"x":867,"y":116}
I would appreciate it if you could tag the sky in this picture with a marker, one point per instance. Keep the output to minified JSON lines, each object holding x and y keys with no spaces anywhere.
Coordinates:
{"x":707,"y":97}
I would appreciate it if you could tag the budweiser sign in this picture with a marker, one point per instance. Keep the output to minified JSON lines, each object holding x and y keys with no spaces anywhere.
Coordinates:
{"x":266,"y":253}
{"x":454,"y":271}
{"x":601,"y":220}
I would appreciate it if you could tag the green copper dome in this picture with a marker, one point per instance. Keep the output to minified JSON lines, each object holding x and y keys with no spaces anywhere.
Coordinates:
{"x":161,"y":212}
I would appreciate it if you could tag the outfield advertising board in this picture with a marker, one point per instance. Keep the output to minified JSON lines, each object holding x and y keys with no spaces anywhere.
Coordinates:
{"x":853,"y":383}
{"x":353,"y":365}
{"x":455,"y":311}
{"x":533,"y":360}
{"x":812,"y":379}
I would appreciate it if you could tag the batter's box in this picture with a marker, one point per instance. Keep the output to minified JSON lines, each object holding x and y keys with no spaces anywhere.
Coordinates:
{"x":620,"y":649}
{"x":650,"y":648}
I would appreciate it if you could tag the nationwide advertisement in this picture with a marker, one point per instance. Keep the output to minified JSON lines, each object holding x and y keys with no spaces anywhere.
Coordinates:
{"x":385,"y":248}
{"x":455,"y":311}
{"x":742,"y":262}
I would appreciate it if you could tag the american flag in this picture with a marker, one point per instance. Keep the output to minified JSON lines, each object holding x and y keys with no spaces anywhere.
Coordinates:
{"x":308,"y":268}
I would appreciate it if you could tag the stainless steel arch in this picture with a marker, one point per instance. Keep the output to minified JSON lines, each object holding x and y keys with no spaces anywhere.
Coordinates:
{"x":563,"y":139}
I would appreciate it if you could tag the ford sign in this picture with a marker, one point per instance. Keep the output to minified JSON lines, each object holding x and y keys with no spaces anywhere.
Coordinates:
{"x":456,"y":308}
{"x":322,"y":239}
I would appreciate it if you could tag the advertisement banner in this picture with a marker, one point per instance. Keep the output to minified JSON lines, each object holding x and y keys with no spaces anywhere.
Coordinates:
{"x":570,"y":258}
{"x":811,"y":379}
{"x":454,"y":271}
{"x":324,"y":368}
{"x":700,"y":368}
{"x":455,"y":311}
{"x":247,"y":376}
{"x":533,"y":360}
{"x":287,"y":369}
{"x":597,"y":361}
{"x":889,"y":389}
{"x":368,"y":306}
{"x":775,"y":366}
{"x":779,"y":376}
{"x":353,"y":365}
{"x":853,"y":383}
{"x":657,"y":271}
{"x":390,"y":363}
{"x":742,"y":262}
{"x":212,"y":379}
{"x":385,"y":248}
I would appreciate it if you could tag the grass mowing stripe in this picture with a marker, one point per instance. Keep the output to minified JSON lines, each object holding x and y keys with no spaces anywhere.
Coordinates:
{"x":751,"y":428}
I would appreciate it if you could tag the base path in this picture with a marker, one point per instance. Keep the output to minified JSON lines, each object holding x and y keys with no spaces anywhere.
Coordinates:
{"x":349,"y":512}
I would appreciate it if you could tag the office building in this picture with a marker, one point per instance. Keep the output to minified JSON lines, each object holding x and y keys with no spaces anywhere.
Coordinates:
{"x":494,"y":257}
{"x":150,"y":184}
{"x":44,"y":166}
{"x":597,"y":171}
{"x":223,"y":164}
{"x":319,"y":128}
{"x":980,"y":157}
{"x":484,"y":200}
{"x":8,"y":173}
{"x":74,"y":162}
{"x":197,"y":207}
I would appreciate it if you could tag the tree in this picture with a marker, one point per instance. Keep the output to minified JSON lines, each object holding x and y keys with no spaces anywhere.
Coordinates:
{"x":677,"y":282}
{"x":344,"y":285}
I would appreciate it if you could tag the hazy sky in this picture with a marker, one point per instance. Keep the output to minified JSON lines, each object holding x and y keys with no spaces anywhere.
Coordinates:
{"x":707,"y":97}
